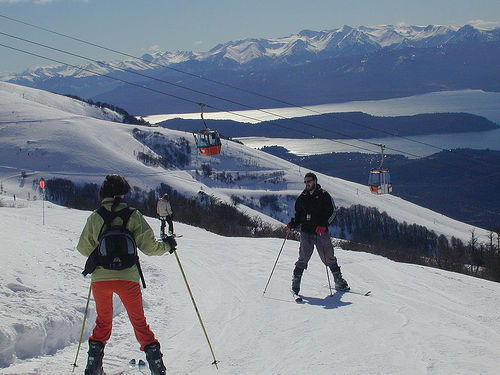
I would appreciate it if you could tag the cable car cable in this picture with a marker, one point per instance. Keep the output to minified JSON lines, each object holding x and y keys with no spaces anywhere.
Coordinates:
{"x":200,"y":92}
{"x":172,"y":95}
{"x":219,"y":109}
{"x":226,"y":85}
{"x":186,"y":88}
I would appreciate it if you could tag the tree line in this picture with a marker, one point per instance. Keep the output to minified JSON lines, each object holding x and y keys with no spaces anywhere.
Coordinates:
{"x":368,"y":229}
{"x":362,"y":228}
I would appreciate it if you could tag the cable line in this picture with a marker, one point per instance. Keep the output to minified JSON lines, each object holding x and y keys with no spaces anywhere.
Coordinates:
{"x":331,"y":115}
{"x":207,"y":94}
{"x":174,"y":96}
{"x":212,"y":96}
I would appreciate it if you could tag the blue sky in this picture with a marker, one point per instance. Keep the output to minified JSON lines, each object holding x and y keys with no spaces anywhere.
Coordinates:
{"x":140,"y":26}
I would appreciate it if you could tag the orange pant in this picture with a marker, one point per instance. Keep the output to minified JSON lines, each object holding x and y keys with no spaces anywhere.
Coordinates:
{"x":131,"y":296}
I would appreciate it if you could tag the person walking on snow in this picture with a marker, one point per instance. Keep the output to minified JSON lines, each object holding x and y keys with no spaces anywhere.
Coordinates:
{"x":124,"y":282}
{"x":164,"y":211}
{"x":314,"y":212}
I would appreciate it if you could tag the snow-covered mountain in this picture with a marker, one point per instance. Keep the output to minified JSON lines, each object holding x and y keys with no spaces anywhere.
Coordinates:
{"x":43,"y":135}
{"x":295,"y":49}
{"x":307,"y":68}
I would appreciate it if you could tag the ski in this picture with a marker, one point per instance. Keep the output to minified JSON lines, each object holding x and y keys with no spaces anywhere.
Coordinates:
{"x":367,"y":293}
{"x":142,"y":366}
{"x":134,"y":367}
{"x":355,"y":291}
{"x":173,"y":235}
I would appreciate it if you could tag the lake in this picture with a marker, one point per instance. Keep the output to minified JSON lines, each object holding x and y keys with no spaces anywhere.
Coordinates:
{"x":394,"y":145}
{"x":477,"y":102}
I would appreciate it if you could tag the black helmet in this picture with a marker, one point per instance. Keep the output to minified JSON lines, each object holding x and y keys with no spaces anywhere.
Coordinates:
{"x":114,"y":184}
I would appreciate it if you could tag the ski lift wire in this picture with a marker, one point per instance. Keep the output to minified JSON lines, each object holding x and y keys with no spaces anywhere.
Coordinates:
{"x":199,"y":92}
{"x":219,"y":83}
{"x":175,"y":96}
{"x":207,"y":94}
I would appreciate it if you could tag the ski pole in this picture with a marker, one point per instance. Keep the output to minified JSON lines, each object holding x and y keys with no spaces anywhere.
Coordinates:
{"x":83,"y":328}
{"x":329,"y":283}
{"x":326,"y":268}
{"x":276,"y":262}
{"x":196,"y":309}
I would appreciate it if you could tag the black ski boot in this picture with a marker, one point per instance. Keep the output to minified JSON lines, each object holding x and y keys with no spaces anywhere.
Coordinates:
{"x":340,"y":283}
{"x":296,"y":284}
{"x":94,"y":362}
{"x":297,"y":276}
{"x":154,"y":358}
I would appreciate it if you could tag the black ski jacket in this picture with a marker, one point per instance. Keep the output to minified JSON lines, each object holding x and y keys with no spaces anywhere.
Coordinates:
{"x":313,"y":210}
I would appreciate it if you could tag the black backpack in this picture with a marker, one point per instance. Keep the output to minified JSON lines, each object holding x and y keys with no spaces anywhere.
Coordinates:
{"x":117,"y":249}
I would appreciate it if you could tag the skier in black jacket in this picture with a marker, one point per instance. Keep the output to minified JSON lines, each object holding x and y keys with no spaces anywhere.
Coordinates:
{"x":314,"y":212}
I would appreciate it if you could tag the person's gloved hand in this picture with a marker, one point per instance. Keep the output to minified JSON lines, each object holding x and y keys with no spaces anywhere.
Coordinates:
{"x":292,"y":224}
{"x":171,"y":242}
{"x":320,"y":230}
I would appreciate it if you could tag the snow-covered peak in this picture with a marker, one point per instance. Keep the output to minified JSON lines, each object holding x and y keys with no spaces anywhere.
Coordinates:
{"x":305,"y":45}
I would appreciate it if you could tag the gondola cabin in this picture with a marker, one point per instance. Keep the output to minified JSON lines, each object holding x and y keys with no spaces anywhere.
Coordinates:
{"x":208,"y":142}
{"x":379,"y":181}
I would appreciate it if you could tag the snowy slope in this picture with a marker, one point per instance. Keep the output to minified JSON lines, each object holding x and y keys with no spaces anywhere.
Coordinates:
{"x":418,"y":320}
{"x":43,"y":139}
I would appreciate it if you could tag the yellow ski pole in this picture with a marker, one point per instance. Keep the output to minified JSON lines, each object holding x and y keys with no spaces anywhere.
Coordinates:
{"x":83,"y":328}
{"x":196,"y":308}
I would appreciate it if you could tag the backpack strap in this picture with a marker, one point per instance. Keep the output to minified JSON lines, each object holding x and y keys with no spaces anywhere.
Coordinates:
{"x":124,"y":214}
{"x":108,"y":218}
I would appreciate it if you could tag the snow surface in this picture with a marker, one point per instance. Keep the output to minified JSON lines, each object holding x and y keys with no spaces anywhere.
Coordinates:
{"x":418,"y":320}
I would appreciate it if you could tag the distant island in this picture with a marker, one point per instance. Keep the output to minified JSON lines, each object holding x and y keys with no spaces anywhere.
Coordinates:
{"x":343,"y":126}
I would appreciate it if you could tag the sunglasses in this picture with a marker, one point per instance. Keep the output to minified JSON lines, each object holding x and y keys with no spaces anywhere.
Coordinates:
{"x":307,"y":181}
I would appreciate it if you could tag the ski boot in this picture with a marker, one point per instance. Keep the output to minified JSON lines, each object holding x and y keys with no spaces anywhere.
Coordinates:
{"x":94,"y":362}
{"x":297,"y":276}
{"x":154,"y":358}
{"x":296,"y":284}
{"x":340,"y":283}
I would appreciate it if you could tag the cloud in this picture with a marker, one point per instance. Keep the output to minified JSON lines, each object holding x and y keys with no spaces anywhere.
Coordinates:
{"x":154,"y":48}
{"x":482,"y":24}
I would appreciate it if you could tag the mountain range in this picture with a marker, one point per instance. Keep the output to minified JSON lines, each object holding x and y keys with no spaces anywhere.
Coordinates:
{"x":310,"y":67}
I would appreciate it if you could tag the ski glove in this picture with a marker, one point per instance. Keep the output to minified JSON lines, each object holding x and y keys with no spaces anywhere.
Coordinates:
{"x":292,"y":224}
{"x":321,"y":230}
{"x":171,"y":242}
